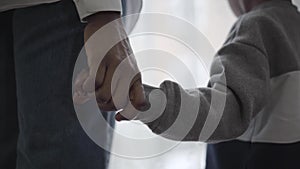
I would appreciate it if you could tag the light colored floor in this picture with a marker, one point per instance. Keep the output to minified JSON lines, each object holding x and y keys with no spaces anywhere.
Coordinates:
{"x":214,"y":19}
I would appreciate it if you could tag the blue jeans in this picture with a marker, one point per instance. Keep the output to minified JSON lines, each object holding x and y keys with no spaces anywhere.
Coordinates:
{"x":39,"y":128}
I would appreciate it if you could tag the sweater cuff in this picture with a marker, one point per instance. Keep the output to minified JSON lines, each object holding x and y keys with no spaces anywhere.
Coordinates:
{"x":86,"y":8}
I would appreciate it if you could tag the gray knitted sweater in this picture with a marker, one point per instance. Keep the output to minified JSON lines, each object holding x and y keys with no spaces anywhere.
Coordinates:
{"x":263,"y":44}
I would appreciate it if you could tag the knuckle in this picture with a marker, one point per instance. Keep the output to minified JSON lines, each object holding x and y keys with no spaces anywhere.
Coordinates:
{"x":103,"y":97}
{"x":106,"y":107}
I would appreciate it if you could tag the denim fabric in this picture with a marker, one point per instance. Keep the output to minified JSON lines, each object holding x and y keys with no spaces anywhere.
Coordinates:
{"x":8,"y":105}
{"x":39,"y":47}
{"x":245,"y":155}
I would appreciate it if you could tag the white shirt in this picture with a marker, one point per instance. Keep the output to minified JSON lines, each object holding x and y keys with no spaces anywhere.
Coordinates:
{"x":84,"y":7}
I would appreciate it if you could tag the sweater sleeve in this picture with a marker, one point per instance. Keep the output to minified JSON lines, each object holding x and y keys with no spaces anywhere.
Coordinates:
{"x":237,"y":91}
{"x":89,"y":7}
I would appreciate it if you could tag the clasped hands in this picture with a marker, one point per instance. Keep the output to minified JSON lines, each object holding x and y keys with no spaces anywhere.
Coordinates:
{"x":127,"y":90}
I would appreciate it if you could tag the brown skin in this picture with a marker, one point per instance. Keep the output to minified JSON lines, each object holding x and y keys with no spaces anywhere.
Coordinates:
{"x":240,"y":7}
{"x":84,"y":86}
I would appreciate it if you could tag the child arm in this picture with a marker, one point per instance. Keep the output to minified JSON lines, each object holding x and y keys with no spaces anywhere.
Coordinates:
{"x":237,"y":91}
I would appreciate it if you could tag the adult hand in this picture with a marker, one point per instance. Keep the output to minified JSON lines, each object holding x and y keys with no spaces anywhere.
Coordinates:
{"x":106,"y":94}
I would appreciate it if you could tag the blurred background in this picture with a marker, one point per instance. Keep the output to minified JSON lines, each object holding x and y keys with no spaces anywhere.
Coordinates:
{"x":214,"y":19}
